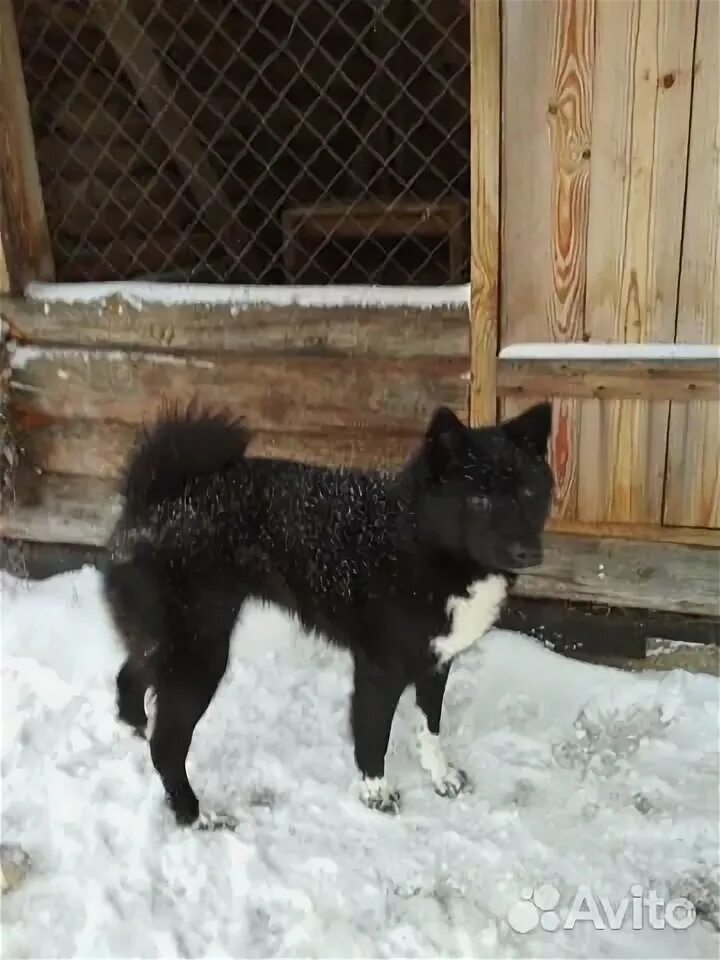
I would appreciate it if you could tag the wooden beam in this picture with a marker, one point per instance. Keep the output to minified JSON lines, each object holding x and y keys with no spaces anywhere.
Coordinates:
{"x":623,"y":573}
{"x":25,"y":251}
{"x":295,"y":394}
{"x":200,"y":328}
{"x":485,"y":42}
{"x":99,"y":448}
{"x":627,"y":573}
{"x":682,"y":380}
{"x":76,"y":510}
{"x":141,"y":61}
{"x":646,"y":532}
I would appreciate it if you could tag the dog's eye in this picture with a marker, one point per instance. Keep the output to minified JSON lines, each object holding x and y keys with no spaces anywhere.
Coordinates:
{"x":478,"y":502}
{"x":527,"y":493}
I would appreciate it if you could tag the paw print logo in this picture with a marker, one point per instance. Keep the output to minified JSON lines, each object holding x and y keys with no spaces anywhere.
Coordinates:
{"x":536,"y":907}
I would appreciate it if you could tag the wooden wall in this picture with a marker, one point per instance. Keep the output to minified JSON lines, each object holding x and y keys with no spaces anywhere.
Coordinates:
{"x":610,"y":216}
{"x":327,"y":385}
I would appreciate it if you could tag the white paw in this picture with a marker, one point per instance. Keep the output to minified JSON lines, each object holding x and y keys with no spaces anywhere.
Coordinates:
{"x":376,"y":795}
{"x":150,"y":705}
{"x":214,"y":820}
{"x":453,"y":782}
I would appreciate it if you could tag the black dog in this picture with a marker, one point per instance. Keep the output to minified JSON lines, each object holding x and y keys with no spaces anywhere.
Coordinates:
{"x":404,"y":570}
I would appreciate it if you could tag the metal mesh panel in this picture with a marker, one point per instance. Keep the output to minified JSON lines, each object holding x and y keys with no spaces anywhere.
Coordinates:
{"x":264,"y":141}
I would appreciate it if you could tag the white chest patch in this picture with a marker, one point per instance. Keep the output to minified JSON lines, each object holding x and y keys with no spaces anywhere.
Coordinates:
{"x":471,"y":617}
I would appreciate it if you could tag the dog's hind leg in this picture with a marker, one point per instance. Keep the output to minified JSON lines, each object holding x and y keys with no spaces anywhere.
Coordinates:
{"x":132,"y":684}
{"x":185,"y":684}
{"x":375,"y":698}
{"x":429,"y":692}
{"x":183,"y":693}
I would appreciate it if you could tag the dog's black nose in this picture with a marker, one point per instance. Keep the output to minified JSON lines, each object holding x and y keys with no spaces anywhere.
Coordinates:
{"x":523,"y":555}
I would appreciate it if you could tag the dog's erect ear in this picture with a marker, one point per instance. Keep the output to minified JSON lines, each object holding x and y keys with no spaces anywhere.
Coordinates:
{"x":531,"y":430}
{"x":445,"y":439}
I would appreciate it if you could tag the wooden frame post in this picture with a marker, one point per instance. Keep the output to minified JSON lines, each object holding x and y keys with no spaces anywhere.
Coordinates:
{"x":25,"y":251}
{"x":485,"y":146}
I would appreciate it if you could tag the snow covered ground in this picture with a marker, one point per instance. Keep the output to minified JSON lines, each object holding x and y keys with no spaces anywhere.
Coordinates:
{"x":586,"y":779}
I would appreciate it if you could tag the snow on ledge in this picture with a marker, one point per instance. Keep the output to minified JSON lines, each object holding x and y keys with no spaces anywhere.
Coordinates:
{"x":136,"y":293}
{"x":611,"y":351}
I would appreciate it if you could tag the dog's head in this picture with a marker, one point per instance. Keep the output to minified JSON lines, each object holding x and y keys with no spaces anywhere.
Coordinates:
{"x":485,"y":493}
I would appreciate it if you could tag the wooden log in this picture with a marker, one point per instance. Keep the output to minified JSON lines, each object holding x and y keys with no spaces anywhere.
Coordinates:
{"x":82,"y":510}
{"x":140,"y":60}
{"x":692,"y":487}
{"x":485,"y":78}
{"x":99,"y":448}
{"x":681,"y":380}
{"x":651,"y":576}
{"x":25,"y":250}
{"x":276,"y":393}
{"x":647,"y":532}
{"x":389,"y":332}
{"x":76,"y":510}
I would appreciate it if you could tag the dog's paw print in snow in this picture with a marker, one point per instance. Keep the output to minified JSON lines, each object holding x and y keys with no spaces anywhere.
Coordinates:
{"x":535,"y":908}
{"x":520,"y":711}
{"x":523,"y":793}
{"x":603,"y":740}
{"x":703,"y":891}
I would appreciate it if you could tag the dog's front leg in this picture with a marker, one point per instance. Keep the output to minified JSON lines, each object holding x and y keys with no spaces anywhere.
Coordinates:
{"x":448,"y":780}
{"x":375,"y":697}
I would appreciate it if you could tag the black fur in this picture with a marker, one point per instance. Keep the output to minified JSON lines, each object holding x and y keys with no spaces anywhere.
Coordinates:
{"x":367,"y":559}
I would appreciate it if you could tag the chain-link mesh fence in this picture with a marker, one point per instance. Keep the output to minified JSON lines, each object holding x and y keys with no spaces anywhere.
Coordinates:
{"x":264,"y":141}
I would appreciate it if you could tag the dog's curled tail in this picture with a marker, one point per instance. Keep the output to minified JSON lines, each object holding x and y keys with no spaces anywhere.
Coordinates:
{"x":180,"y":446}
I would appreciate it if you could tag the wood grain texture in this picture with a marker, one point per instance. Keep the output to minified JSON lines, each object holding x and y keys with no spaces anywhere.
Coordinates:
{"x":626,"y":573}
{"x":548,"y":98}
{"x":692,"y":490}
{"x":99,"y":448}
{"x":25,"y":251}
{"x":684,"y":380}
{"x":485,"y":79}
{"x":203,"y":328}
{"x":74,"y":510}
{"x":276,"y":393}
{"x":646,"y":532}
{"x":641,"y":115}
{"x":82,"y":510}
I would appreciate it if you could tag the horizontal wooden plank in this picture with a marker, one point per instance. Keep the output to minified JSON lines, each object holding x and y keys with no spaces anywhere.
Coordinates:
{"x":98,"y":448}
{"x":627,"y":573}
{"x":297,"y":394}
{"x":695,"y":536}
{"x":56,"y":509}
{"x":439,"y":331}
{"x":81,"y":510}
{"x":599,"y":379}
